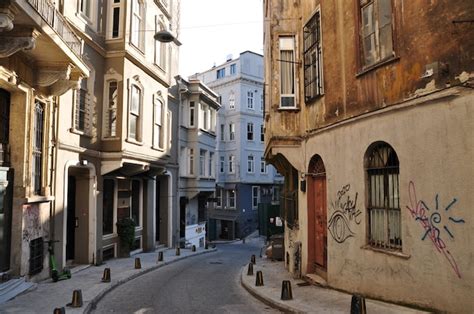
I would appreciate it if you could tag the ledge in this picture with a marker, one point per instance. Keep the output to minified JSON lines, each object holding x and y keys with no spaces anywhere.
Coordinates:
{"x":388,"y":252}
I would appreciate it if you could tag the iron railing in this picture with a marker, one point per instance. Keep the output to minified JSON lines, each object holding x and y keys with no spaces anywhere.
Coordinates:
{"x":57,"y":21}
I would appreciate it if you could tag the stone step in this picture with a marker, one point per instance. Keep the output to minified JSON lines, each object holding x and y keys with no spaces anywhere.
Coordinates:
{"x":12,"y":288}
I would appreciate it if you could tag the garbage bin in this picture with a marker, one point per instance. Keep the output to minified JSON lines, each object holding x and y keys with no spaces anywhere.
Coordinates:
{"x":278,"y":248}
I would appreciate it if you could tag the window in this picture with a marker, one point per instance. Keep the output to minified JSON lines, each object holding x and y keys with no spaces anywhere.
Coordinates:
{"x":218,"y":197}
{"x":250,"y":100}
{"x":263,"y":165}
{"x":136,"y":29}
{"x":262,"y":133}
{"x":233,"y":69}
{"x":160,"y":48}
{"x":287,"y":72}
{"x":170,"y":127}
{"x":190,"y":161}
{"x":80,"y":111}
{"x":114,"y":29}
{"x":231,"y":100}
{"x":255,"y":197}
{"x":313,"y":78}
{"x":205,"y":117}
{"x":275,"y":194}
{"x":231,"y":198}
{"x":220,"y":73}
{"x":191,"y":113}
{"x":375,"y":31}
{"x":383,"y":197}
{"x":134,"y":113}
{"x":222,"y":132}
{"x":111,"y":110}
{"x":108,"y":207}
{"x":250,"y":131}
{"x":250,"y":164}
{"x":231,"y":164}
{"x":136,"y":202}
{"x":202,"y":163}
{"x":158,"y":134}
{"x":232,"y":131}
{"x":262,"y":103}
{"x":85,"y":8}
{"x":38,"y":131}
{"x":210,"y":165}
{"x":221,"y":164}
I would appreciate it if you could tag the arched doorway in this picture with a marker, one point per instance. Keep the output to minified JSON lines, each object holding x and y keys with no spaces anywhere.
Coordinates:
{"x":317,"y":217}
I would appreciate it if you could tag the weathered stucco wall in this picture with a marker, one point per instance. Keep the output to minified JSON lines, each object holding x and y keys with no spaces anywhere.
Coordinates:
{"x":435,"y":158}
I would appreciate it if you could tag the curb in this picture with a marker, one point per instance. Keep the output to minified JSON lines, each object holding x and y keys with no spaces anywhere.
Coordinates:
{"x":268,"y":301}
{"x":93,"y":303}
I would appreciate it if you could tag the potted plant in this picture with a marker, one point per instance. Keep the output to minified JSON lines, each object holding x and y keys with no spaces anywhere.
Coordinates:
{"x":126,"y":233}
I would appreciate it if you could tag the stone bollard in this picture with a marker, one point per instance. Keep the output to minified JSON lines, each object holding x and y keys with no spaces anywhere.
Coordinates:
{"x":76,"y":299}
{"x":138,"y":264}
{"x":160,"y":256}
{"x":250,"y":270}
{"x":252,"y":259}
{"x":358,"y":304}
{"x":178,"y":251}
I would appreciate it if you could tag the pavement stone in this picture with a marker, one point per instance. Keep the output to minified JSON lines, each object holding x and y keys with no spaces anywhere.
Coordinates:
{"x":306,"y":298}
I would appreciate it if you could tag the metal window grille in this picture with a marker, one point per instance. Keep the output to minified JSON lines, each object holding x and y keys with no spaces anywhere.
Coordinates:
{"x":81,"y":110}
{"x":36,"y":256}
{"x":38,"y":147}
{"x":384,"y":200}
{"x":313,"y":82}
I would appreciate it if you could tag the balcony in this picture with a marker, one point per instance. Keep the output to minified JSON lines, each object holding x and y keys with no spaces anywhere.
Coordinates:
{"x":35,"y":28}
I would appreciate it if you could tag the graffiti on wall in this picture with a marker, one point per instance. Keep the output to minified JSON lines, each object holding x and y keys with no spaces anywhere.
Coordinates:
{"x":344,"y":213}
{"x":31,"y":222}
{"x":436,"y":221}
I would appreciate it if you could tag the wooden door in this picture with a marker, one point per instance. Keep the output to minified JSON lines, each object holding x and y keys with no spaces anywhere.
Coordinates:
{"x":320,"y":222}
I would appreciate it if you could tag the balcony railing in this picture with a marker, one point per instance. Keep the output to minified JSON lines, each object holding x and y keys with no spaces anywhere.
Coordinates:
{"x":56,"y":20}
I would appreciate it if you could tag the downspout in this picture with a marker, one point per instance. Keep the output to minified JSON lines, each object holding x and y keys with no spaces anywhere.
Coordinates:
{"x":53,"y":156}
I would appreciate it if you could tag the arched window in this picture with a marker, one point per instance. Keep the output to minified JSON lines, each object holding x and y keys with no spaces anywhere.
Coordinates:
{"x":383,"y":205}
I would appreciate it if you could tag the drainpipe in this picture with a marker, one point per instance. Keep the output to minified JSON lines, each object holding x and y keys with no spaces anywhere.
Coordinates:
{"x":53,"y":157}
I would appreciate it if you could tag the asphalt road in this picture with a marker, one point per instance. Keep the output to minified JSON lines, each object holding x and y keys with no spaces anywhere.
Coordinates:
{"x":208,"y":283}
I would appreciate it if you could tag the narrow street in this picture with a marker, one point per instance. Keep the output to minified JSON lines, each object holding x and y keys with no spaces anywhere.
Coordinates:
{"x":208,"y":283}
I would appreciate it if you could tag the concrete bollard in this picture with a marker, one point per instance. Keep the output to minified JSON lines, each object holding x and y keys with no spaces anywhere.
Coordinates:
{"x":59,"y":310}
{"x":286,"y":293}
{"x":259,"y":279}
{"x":106,"y":275}
{"x":358,"y":304}
{"x":250,"y":270}
{"x":206,"y":246}
{"x":178,"y":251}
{"x":160,"y":257}
{"x":193,"y":248}
{"x":138,"y":264}
{"x":76,"y":299}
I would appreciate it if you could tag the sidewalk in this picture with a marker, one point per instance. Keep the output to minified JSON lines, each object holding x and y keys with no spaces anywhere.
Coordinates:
{"x":49,"y":295}
{"x":306,"y":298}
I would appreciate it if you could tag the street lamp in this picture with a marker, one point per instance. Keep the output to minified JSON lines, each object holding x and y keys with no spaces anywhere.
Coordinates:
{"x":165,"y":36}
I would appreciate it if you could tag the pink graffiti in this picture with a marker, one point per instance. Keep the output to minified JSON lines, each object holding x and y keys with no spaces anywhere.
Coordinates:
{"x":418,"y":211}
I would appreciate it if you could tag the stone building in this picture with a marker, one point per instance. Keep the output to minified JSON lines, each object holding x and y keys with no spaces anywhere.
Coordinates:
{"x":41,"y":58}
{"x":244,"y":180}
{"x":369,"y":116}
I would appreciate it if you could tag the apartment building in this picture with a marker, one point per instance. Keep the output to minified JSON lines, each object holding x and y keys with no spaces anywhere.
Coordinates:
{"x":244,"y":180}
{"x":115,"y":157}
{"x":41,"y":59}
{"x":197,"y":155}
{"x":368,"y":115}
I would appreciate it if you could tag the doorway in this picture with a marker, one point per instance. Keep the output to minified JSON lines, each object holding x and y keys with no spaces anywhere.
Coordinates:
{"x":6,"y":183}
{"x":158,"y":213}
{"x":317,"y":217}
{"x":71,"y":218}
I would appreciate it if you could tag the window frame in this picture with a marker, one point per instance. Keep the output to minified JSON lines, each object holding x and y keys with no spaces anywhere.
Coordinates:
{"x":159,"y":126}
{"x":192,"y":114}
{"x":231,"y":164}
{"x":38,"y":150}
{"x":250,"y":164}
{"x":250,"y":132}
{"x":250,"y":95}
{"x":379,"y":59}
{"x":231,"y":199}
{"x":160,"y":56}
{"x":137,"y":13}
{"x":221,"y":164}
{"x":291,"y":47}
{"x":255,"y":197}
{"x":110,"y":34}
{"x":220,"y":73}
{"x":231,"y":100}
{"x":382,"y":164}
{"x":135,"y":113}
{"x":263,"y":165}
{"x":231,"y":131}
{"x":313,"y":58}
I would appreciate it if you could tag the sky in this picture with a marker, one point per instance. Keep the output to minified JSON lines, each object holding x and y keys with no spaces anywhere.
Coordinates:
{"x":213,"y":29}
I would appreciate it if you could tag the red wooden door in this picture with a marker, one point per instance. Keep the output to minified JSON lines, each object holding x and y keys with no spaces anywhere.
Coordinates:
{"x":320,"y":207}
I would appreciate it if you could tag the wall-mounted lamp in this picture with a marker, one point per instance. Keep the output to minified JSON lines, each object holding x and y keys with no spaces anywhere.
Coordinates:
{"x":303,"y":185}
{"x":83,"y":162}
